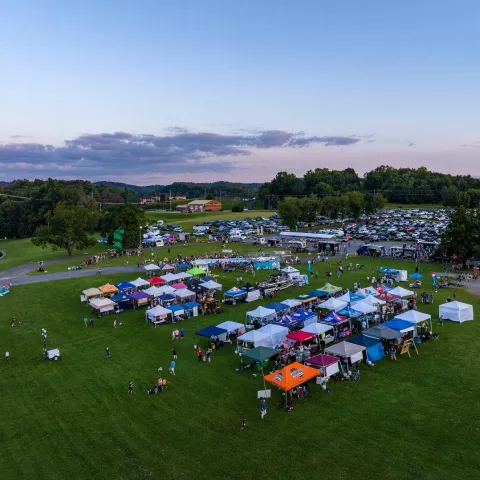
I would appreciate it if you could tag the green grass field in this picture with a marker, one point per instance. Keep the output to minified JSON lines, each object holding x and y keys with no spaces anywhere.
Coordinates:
{"x":411,"y":419}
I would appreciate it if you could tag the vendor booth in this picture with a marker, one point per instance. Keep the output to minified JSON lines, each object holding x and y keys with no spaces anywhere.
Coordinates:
{"x":290,"y":322}
{"x":372,"y":300}
{"x":139,"y":298}
{"x":157,"y":315}
{"x":374,"y":347}
{"x":416,"y":317}
{"x":211,"y":285}
{"x":234,"y":295}
{"x":279,"y":308}
{"x":122,"y":300}
{"x":349,"y":312}
{"x":253,"y":339}
{"x":184,"y":295}
{"x":253,"y":293}
{"x":232,"y":328}
{"x":364,"y":308}
{"x":191,"y":308}
{"x":401,"y":292}
{"x":277,"y":333}
{"x":177,"y":311}
{"x":306,"y":300}
{"x":123,"y":286}
{"x":196,"y":271}
{"x":304,"y":316}
{"x":346,"y":350}
{"x":140,"y":283}
{"x":318,"y":293}
{"x":350,"y":298}
{"x":382,"y":332}
{"x":342,"y":326}
{"x":333,"y":304}
{"x":290,"y":272}
{"x":156,"y":281}
{"x":102,"y":305}
{"x":90,"y":293}
{"x":151,"y":267}
{"x":456,"y":312}
{"x":260,"y":316}
{"x":260,"y":355}
{"x":330,"y":289}
{"x":169,"y":278}
{"x":300,"y":336}
{"x":153,"y":291}
{"x":318,"y":329}
{"x":401,"y":325}
{"x":167,"y":267}
{"x":291,"y":376}
{"x":292,"y":303}
{"x":213,"y":333}
{"x":327,"y":364}
{"x":182,"y":276}
{"x":108,"y":289}
{"x":178,"y":286}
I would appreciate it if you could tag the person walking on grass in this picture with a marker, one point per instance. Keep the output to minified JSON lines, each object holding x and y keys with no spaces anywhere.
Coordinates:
{"x":174,"y":353}
{"x":182,"y":333}
{"x":263,"y":408}
{"x":107,"y":352}
{"x":172,"y":367}
{"x":85,"y":321}
{"x":244,"y":423}
{"x":209,"y":354}
{"x":91,"y":322}
{"x":393,"y":352}
{"x":115,"y":324}
{"x":130,"y":387}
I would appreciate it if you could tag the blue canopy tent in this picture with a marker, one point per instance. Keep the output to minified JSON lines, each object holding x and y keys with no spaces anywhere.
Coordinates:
{"x":235,"y":293}
{"x":318,"y":293}
{"x":125,"y":286}
{"x":277,"y":306}
{"x":122,"y":299}
{"x":176,"y":308}
{"x":191,"y":305}
{"x":183,"y":265}
{"x":289,"y":322}
{"x":374,"y":346}
{"x":388,"y":271}
{"x":305,"y":316}
{"x":416,"y":276}
{"x":349,"y":312}
{"x":211,"y":332}
{"x":166,"y":297}
{"x":401,"y":326}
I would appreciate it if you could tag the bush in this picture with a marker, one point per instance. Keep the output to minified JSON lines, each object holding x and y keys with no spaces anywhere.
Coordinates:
{"x":238,"y":207}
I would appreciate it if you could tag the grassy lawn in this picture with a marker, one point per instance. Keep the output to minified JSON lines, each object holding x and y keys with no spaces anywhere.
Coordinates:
{"x":22,"y":252}
{"x":410,"y":419}
{"x":415,"y":206}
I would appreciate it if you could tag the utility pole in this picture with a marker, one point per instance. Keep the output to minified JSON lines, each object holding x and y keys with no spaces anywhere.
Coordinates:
{"x":170,"y":197}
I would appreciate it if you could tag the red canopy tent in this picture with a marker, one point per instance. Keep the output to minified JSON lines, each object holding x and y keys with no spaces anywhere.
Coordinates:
{"x":156,"y":281}
{"x":386,"y":297}
{"x":300,"y":336}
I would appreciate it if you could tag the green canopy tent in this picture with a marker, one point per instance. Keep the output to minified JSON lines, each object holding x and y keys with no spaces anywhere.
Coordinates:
{"x":329,"y":288}
{"x":260,"y":354}
{"x":196,"y":271}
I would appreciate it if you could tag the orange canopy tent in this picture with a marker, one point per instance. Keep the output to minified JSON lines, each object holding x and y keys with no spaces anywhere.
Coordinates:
{"x":291,"y":376}
{"x":108,"y":288}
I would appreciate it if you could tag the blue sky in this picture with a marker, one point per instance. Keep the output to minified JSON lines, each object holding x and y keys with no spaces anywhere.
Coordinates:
{"x":401,"y":78}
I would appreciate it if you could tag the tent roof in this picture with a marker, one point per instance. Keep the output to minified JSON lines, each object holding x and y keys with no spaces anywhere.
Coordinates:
{"x":345,"y":349}
{"x":92,"y":292}
{"x":400,"y":325}
{"x":230,"y":326}
{"x":101,"y":302}
{"x":333,"y":319}
{"x":121,"y":297}
{"x":156,"y":281}
{"x":303,"y":315}
{"x":191,"y":304}
{"x":349,"y":312}
{"x":388,"y":270}
{"x":139,"y":282}
{"x":322,"y":360}
{"x":456,"y":305}
{"x":169,"y":277}
{"x":329,"y":288}
{"x":401,"y":292}
{"x":233,"y":292}
{"x":317,"y":293}
{"x":364,"y":307}
{"x":291,"y":303}
{"x":333,"y":304}
{"x":138,"y":295}
{"x":164,"y":297}
{"x":300,"y":336}
{"x":372,"y":300}
{"x":178,"y":286}
{"x":175,"y":308}
{"x":108,"y":288}
{"x":157,"y":311}
{"x":291,"y":376}
{"x":260,"y":354}
{"x":168,"y":267}
{"x":254,"y":336}
{"x":382,"y":332}
{"x":211,"y":331}
{"x":153,"y":291}
{"x":277,"y":306}
{"x":184,"y":292}
{"x":288,"y":321}
{"x":317,"y":328}
{"x":363,"y":340}
{"x":211,"y":285}
{"x":388,"y":297}
{"x":196,"y":271}
{"x":350,"y":297}
{"x":272,"y":329}
{"x":413,"y":316}
{"x":182,"y":275}
{"x":151,"y":267}
{"x":261,"y":312}
{"x":306,"y":298}
{"x":124,"y":285}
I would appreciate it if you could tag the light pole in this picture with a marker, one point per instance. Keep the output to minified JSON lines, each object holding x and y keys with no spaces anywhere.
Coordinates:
{"x":140,"y":244}
{"x":44,"y":335}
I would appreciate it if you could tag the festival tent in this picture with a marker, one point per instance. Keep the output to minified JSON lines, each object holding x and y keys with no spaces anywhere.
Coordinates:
{"x":124,"y":286}
{"x":401,"y":292}
{"x":289,"y":269}
{"x":291,"y":376}
{"x":108,"y":288}
{"x":169,"y":277}
{"x":211,"y":332}
{"x":382,"y":332}
{"x":317,"y":293}
{"x":168,"y":267}
{"x":349,"y":312}
{"x":388,"y":297}
{"x":122,"y":299}
{"x":183,"y":265}
{"x":401,"y":325}
{"x":196,"y":271}
{"x":261,"y":354}
{"x":156,"y":281}
{"x":261,"y":313}
{"x":347,"y":350}
{"x":157,"y":313}
{"x":153,"y":291}
{"x":235,"y":293}
{"x":305,"y":316}
{"x":373,"y":301}
{"x":255,"y":337}
{"x":416,"y":317}
{"x":176,"y":310}
{"x":456,"y":312}
{"x":291,"y":303}
{"x":416,"y":276}
{"x":103,"y":305}
{"x":212,"y":285}
{"x":184,"y":293}
{"x":289,"y":322}
{"x":277,"y":306}
{"x":360,"y":292}
{"x":333,"y":304}
{"x":140,"y":297}
{"x":166,"y":297}
{"x":333,"y":319}
{"x":350,"y":297}
{"x":374,"y":346}
{"x":151,"y":267}
{"x":276,"y":332}
{"x":388,"y":271}
{"x":383,"y":289}
{"x":91,"y":292}
{"x":306,"y":298}
{"x":182,"y":275}
{"x":231,"y":327}
{"x":369,"y":291}
{"x":317,"y":328}
{"x":139,"y":283}
{"x":178,"y":286}
{"x":300,"y":336}
{"x":364,"y":308}
{"x":207,"y":278}
{"x":328,"y":365}
{"x":329,"y":288}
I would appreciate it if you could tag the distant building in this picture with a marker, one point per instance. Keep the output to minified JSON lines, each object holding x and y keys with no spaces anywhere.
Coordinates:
{"x":204,"y":206}
{"x":181,"y":208}
{"x":178,"y":196}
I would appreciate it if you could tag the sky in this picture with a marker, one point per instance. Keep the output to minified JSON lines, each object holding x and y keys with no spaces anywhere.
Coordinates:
{"x":156,"y":91}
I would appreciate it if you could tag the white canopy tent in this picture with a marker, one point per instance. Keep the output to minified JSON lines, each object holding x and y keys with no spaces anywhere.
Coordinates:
{"x":291,"y":303}
{"x":231,"y":327}
{"x":364,"y":307}
{"x":416,"y":317}
{"x":276,"y":332}
{"x":166,"y":289}
{"x":182,"y":275}
{"x":346,"y":350}
{"x":169,"y":277}
{"x":153,"y":291}
{"x":263,"y":314}
{"x":371,"y":300}
{"x":258,"y":339}
{"x":361,"y":292}
{"x":401,"y":292}
{"x":317,"y":328}
{"x":289,"y":270}
{"x":333,"y":304}
{"x":102,"y":305}
{"x":139,"y":283}
{"x":184,"y":293}
{"x":157,"y":312}
{"x":456,"y":312}
{"x":151,"y":267}
{"x":211,"y":285}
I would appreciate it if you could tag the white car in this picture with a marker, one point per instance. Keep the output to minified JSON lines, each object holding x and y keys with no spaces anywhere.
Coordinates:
{"x":53,"y":354}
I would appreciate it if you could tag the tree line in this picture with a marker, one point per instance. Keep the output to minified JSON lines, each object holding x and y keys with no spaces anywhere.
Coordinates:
{"x":402,"y":185}
{"x":352,"y":204}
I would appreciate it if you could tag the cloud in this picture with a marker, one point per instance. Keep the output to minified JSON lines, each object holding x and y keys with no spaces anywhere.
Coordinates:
{"x":411,"y":144}
{"x":122,"y":153}
{"x":471,"y":145}
{"x":18,"y":137}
